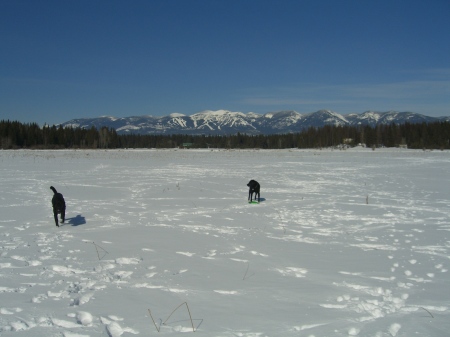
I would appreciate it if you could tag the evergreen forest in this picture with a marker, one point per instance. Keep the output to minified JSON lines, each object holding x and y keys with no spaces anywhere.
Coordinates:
{"x":17,"y":135}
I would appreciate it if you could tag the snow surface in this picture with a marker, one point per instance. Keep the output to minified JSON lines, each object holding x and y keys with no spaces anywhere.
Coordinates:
{"x":343,"y":243}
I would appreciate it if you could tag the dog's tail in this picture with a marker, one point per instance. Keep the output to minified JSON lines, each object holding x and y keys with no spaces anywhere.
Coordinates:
{"x":53,"y":189}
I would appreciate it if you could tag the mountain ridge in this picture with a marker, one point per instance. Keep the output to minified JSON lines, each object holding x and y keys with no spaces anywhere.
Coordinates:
{"x":220,"y":122}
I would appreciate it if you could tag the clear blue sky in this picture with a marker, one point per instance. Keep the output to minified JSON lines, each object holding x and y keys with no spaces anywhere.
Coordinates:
{"x":86,"y":58}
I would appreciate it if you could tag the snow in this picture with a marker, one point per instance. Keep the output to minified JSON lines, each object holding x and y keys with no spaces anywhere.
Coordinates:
{"x":217,"y":114}
{"x":128,"y":128}
{"x":111,"y":118}
{"x":343,"y":243}
{"x":253,"y":115}
{"x":176,"y":115}
{"x":219,"y":118}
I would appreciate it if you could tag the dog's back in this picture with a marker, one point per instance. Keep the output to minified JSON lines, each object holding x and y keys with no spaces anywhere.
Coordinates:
{"x":58,"y":201}
{"x":59,"y":206}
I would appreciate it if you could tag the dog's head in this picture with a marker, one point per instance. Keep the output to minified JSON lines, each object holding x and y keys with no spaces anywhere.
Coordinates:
{"x":252,"y":183}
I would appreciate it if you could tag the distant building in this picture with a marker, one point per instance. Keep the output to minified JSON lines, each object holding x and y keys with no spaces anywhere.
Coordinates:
{"x":403,"y":144}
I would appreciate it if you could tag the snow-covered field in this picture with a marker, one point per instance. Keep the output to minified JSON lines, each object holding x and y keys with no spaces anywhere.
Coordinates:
{"x":343,"y":243}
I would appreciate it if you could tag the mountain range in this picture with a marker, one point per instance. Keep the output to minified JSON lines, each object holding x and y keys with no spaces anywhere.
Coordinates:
{"x":227,"y":122}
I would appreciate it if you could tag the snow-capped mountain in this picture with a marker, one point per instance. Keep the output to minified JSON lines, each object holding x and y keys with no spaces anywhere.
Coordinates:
{"x":373,"y":118}
{"x":222,"y":121}
{"x":322,"y":118}
{"x":227,"y":122}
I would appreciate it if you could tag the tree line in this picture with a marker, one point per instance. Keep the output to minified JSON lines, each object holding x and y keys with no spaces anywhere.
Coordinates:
{"x":17,"y":135}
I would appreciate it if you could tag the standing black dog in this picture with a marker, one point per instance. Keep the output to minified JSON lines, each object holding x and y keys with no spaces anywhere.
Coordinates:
{"x":253,"y":188}
{"x":59,"y":206}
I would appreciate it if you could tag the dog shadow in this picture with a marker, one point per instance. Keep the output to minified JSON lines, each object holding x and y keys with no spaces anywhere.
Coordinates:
{"x":76,"y":221}
{"x":260,"y":200}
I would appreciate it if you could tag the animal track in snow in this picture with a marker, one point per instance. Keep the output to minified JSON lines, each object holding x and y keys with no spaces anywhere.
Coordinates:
{"x":65,"y":324}
{"x":127,"y":260}
{"x":373,"y":302}
{"x":259,"y":254}
{"x":226,"y":292}
{"x":26,"y":260}
{"x":120,"y":275}
{"x":394,"y":329}
{"x":66,"y":271}
{"x":211,"y":254}
{"x":147,"y":250}
{"x":84,"y":318}
{"x":186,"y":253}
{"x":114,"y":329}
{"x":293,"y":271}
{"x":12,"y":290}
{"x":10,"y":311}
{"x":82,"y":299}
{"x":440,"y":267}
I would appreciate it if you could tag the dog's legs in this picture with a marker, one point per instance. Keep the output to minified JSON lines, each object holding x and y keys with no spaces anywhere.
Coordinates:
{"x":55,"y":215}
{"x":63,"y":215}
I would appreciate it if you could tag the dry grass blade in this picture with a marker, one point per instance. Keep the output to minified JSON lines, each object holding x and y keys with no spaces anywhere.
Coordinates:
{"x":190,"y":317}
{"x":150,"y":313}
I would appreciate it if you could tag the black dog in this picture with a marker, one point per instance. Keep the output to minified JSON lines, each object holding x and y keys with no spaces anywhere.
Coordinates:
{"x":253,"y":188}
{"x":59,"y":206}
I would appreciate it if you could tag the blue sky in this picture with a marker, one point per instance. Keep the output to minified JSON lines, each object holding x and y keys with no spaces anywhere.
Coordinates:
{"x":61,"y":60}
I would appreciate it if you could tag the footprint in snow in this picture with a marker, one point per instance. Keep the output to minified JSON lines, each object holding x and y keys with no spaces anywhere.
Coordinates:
{"x":147,"y":250}
{"x":226,"y":292}
{"x":440,"y":267}
{"x":5,"y":265}
{"x":9,"y":311}
{"x":259,"y":254}
{"x":372,"y":303}
{"x":210,"y":255}
{"x":394,"y":329}
{"x":186,"y":254}
{"x":22,"y":228}
{"x":353,"y":332}
{"x":114,"y":329}
{"x":39,"y":298}
{"x":82,"y":299}
{"x":25,"y":260}
{"x":64,"y":324}
{"x":126,"y":260}
{"x":120,"y":275}
{"x":83,"y":317}
{"x":293,"y":271}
